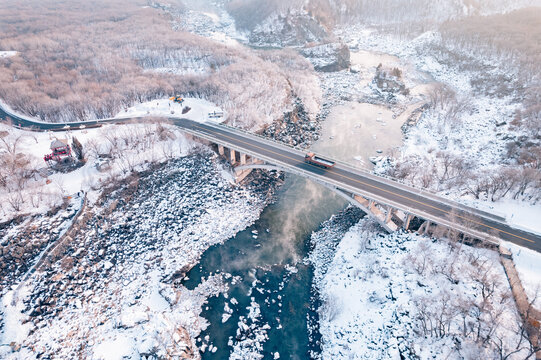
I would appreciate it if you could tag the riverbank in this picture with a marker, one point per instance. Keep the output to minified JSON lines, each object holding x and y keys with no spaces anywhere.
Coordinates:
{"x":407,"y":296}
{"x":120,"y":273}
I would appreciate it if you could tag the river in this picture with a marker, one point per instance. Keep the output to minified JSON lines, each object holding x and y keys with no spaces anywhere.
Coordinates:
{"x":270,"y":308}
{"x":267,"y":259}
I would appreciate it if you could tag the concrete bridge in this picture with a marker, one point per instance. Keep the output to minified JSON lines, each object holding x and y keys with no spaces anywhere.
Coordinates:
{"x":390,"y":203}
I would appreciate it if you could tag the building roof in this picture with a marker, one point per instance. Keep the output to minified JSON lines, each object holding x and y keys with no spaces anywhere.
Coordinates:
{"x":56,"y":143}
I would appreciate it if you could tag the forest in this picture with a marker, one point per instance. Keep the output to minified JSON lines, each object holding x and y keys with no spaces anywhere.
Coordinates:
{"x":502,"y":52}
{"x":81,"y":62}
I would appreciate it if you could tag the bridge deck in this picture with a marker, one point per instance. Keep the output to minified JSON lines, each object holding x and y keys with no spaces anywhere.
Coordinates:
{"x":400,"y":196}
{"x":342,"y":176}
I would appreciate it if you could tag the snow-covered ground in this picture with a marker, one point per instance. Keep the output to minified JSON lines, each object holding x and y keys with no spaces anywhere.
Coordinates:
{"x":6,"y":54}
{"x":519,"y":214}
{"x":193,"y":109}
{"x":116,"y":291}
{"x":404,"y":295}
{"x":111,"y":151}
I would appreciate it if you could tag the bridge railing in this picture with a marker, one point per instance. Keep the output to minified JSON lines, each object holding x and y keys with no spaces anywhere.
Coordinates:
{"x":334,"y":183}
{"x":407,"y":186}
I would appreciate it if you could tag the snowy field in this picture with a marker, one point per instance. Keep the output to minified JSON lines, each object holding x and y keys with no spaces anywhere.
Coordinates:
{"x":193,"y":109}
{"x":6,"y":54}
{"x":406,"y":296}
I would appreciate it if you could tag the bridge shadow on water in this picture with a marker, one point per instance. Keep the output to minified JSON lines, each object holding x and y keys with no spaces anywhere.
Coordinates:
{"x":311,"y":168}
{"x":266,"y":263}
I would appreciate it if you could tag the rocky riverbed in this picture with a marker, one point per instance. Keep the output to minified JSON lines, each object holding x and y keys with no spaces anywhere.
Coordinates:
{"x":114,"y":286}
{"x":25,"y":238}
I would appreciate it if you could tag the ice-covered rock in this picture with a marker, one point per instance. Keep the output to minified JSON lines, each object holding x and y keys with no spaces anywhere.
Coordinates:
{"x":328,"y":57}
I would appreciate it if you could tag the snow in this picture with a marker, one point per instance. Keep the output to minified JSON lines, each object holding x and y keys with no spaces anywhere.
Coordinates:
{"x":15,"y":330}
{"x":519,"y":214}
{"x":6,"y":54}
{"x":375,"y":287}
{"x":213,"y":16}
{"x":250,"y":334}
{"x":120,"y":348}
{"x":224,"y":39}
{"x":214,"y":23}
{"x":95,"y":141}
{"x":200,"y":110}
{"x":185,"y":69}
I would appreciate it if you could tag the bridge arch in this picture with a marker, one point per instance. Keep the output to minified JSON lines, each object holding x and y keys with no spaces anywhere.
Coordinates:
{"x":367,"y":206}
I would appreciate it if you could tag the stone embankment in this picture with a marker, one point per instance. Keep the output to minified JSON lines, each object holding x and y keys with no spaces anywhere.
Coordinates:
{"x":531,"y":317}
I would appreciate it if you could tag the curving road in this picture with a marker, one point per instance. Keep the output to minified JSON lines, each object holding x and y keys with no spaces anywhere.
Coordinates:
{"x":355,"y":181}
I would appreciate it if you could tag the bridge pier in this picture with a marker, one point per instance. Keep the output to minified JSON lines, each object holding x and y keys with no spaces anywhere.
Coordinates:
{"x":391,"y":215}
{"x":409,"y":217}
{"x":362,"y":200}
{"x":370,"y":207}
{"x":244,"y":159}
{"x":425,"y":228}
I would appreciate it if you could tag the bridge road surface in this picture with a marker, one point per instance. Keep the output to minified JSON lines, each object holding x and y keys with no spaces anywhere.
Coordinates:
{"x":410,"y":200}
{"x":422,"y":204}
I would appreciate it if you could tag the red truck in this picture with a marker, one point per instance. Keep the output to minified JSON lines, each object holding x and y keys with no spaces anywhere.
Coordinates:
{"x":311,"y":158}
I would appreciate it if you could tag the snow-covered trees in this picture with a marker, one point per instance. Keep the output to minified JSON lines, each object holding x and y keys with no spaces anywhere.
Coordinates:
{"x":84,"y":69}
{"x":17,"y":169}
{"x":471,"y":304}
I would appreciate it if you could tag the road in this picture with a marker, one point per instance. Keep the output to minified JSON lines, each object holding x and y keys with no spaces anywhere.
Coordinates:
{"x":410,"y":200}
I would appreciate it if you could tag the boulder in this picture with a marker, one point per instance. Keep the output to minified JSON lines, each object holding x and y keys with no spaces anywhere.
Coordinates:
{"x":291,"y":29}
{"x":328,"y":57}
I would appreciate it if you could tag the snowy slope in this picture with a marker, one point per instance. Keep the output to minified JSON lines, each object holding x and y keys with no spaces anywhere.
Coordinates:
{"x":380,"y":291}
